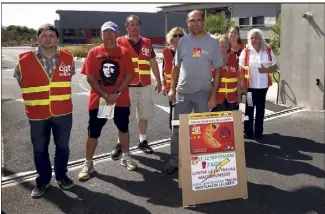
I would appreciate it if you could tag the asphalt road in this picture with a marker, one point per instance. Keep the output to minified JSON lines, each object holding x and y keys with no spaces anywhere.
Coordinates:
{"x":285,"y":175}
{"x":17,"y":148}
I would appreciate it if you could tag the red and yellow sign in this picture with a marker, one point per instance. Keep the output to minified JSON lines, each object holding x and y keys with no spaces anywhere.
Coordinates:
{"x":211,"y":132}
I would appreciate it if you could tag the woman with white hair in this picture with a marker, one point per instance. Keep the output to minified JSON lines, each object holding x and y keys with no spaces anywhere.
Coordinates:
{"x":172,"y":39}
{"x":257,"y":61}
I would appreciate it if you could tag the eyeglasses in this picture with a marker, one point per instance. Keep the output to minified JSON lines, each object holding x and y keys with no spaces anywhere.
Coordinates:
{"x":178,"y":35}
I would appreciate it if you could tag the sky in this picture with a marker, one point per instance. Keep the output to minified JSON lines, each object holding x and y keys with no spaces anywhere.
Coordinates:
{"x":34,"y":15}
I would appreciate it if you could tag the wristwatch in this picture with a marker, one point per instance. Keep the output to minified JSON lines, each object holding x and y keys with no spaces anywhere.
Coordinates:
{"x":117,"y":92}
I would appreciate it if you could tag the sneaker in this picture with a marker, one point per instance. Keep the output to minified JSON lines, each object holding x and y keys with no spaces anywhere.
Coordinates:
{"x":169,"y":170}
{"x":144,"y":146}
{"x":116,"y":153}
{"x":39,"y":190}
{"x":65,"y":183}
{"x":128,"y":163}
{"x":86,"y":171}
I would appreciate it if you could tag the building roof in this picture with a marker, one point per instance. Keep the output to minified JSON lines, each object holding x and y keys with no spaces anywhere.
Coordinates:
{"x":190,"y":6}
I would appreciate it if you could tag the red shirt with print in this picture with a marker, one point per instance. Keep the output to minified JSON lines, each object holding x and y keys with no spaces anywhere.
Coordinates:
{"x":109,"y":66}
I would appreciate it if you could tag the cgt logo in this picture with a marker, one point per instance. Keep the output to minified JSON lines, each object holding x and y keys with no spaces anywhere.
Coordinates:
{"x":65,"y":70}
{"x":145,"y":51}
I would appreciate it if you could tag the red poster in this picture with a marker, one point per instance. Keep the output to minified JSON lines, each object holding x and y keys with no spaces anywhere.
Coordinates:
{"x":211,"y":137}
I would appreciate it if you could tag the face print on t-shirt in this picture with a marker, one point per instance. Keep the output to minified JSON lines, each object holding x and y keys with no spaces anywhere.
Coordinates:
{"x":109,"y":72}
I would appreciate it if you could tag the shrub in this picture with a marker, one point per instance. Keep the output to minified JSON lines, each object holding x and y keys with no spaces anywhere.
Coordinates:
{"x":78,"y":51}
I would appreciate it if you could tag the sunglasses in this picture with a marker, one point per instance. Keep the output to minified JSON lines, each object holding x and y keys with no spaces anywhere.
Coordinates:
{"x":178,"y":35}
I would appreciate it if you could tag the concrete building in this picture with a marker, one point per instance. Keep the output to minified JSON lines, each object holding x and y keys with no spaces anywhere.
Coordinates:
{"x":247,"y":16}
{"x":302,"y":55}
{"x":78,"y":27}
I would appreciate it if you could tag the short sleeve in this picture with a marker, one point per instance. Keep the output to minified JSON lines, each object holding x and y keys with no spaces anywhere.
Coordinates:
{"x":153,"y":53}
{"x":87,"y":67}
{"x":217,"y":60}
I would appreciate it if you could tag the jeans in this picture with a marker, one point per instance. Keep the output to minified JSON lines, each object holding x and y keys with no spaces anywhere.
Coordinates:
{"x":40,"y":135}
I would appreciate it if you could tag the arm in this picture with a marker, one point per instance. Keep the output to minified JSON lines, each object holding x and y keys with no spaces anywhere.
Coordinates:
{"x":270,"y":69}
{"x":174,"y":77}
{"x":241,"y":65}
{"x":95,"y":85}
{"x":216,"y":82}
{"x":155,"y":69}
{"x":129,"y":72}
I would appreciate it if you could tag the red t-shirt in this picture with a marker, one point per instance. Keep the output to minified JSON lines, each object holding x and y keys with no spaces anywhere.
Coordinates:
{"x":110,"y":67}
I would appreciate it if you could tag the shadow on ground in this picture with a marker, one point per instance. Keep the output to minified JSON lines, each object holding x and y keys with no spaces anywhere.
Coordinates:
{"x":286,"y":159}
{"x":283,"y":155}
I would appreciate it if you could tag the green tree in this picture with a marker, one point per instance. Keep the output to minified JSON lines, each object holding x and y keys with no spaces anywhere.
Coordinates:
{"x":275,"y":36}
{"x":218,"y":24}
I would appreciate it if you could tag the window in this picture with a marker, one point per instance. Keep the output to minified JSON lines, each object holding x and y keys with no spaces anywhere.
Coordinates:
{"x":258,"y":20}
{"x":244,"y":21}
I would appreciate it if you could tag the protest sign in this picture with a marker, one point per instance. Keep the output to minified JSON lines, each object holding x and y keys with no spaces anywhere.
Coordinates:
{"x":212,"y":164}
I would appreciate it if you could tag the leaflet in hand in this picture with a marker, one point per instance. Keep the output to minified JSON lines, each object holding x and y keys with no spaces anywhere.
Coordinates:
{"x":104,"y":110}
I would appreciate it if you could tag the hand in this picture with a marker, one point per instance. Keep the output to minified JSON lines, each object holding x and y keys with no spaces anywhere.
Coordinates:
{"x":111,"y":98}
{"x":172,"y":95}
{"x":212,"y":102}
{"x":158,"y":87}
{"x":262,"y":70}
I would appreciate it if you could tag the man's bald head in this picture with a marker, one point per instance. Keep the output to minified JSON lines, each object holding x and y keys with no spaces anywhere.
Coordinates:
{"x":194,"y":12}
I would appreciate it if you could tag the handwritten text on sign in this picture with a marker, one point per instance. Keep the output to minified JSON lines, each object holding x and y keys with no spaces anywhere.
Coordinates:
{"x":213,"y":171}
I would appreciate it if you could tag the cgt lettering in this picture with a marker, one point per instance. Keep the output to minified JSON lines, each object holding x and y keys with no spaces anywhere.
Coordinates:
{"x":65,"y":70}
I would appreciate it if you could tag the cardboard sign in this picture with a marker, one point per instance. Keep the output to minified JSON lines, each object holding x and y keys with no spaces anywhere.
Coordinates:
{"x":209,"y":135}
{"x":213,"y":171}
{"x":212,"y":174}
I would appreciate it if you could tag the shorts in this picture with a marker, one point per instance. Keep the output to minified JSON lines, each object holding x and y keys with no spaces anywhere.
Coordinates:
{"x":141,"y":97}
{"x":121,"y":121}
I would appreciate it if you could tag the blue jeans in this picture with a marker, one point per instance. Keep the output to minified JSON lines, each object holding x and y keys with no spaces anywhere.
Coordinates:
{"x":40,"y":132}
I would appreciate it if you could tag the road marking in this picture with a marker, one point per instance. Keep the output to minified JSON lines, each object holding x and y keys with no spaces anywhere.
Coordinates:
{"x":7,"y":69}
{"x":286,"y":114}
{"x":164,"y":108}
{"x":18,"y":179}
{"x":82,"y":93}
{"x":80,"y":83}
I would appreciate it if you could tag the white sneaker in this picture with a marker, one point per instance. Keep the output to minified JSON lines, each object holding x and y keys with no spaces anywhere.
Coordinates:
{"x":129,"y":163}
{"x":86,"y":171}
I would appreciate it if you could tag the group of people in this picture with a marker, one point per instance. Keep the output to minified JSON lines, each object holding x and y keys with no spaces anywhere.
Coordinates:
{"x":201,"y":73}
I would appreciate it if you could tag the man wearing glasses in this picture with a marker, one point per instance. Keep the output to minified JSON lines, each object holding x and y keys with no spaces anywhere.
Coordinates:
{"x":196,"y":53}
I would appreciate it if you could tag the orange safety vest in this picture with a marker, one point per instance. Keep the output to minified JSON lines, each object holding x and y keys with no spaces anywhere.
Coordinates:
{"x":228,"y":84}
{"x":141,"y":62}
{"x":168,"y":58}
{"x":246,"y":64}
{"x":45,"y":97}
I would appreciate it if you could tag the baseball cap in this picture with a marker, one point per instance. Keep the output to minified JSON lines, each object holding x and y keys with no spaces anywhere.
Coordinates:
{"x":109,"y":25}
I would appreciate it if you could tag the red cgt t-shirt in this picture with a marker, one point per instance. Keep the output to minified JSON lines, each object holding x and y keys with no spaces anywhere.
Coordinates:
{"x":109,"y":66}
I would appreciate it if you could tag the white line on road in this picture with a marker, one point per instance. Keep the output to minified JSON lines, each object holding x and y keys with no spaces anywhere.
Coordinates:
{"x":7,"y":69}
{"x":20,"y":174}
{"x":164,"y":108}
{"x":286,"y":114}
{"x":80,"y":83}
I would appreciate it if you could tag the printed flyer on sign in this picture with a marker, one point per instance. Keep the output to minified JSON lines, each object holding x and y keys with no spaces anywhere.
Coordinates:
{"x":213,"y":171}
{"x":211,"y":132}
